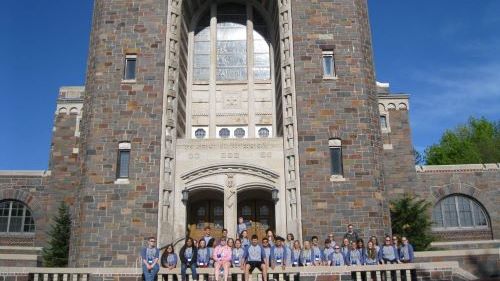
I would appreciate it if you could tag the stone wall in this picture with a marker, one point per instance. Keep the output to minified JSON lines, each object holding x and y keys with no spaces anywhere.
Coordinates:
{"x":344,"y":107}
{"x":114,"y":219}
{"x":29,"y":187}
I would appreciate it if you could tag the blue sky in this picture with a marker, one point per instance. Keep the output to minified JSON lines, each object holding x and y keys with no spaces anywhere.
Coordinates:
{"x":445,"y":54}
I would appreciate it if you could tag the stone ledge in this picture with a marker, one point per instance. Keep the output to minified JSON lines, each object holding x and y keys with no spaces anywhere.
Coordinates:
{"x":437,"y":244}
{"x":454,"y":253}
{"x":457,"y":168}
{"x":25,"y":173}
{"x":18,"y":257}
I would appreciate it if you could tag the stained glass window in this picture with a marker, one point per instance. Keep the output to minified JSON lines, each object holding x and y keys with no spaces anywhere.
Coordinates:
{"x":15,"y":217}
{"x":457,"y":211}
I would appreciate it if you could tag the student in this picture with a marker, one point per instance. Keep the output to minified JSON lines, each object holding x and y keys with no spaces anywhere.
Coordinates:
{"x":255,"y":257}
{"x":270,"y":236}
{"x":188,"y":256}
{"x":361,"y":247}
{"x":238,"y":255}
{"x":222,"y":259}
{"x":337,"y":258}
{"x":375,"y":242}
{"x":355,"y":255}
{"x":289,"y":240}
{"x":241,"y":225}
{"x":224,"y":233}
{"x":306,"y":257}
{"x":327,"y":251}
{"x":351,"y":235}
{"x":371,"y":257}
{"x":296,"y":253}
{"x":169,"y":258}
{"x":244,"y":239}
{"x":316,"y":251}
{"x":150,"y":256}
{"x":267,"y":249}
{"x":388,"y":253}
{"x":345,"y":246}
{"x":203,"y":257}
{"x":331,"y":237}
{"x":209,"y":240}
{"x":406,"y":251}
{"x":279,"y":254}
{"x":230,"y":243}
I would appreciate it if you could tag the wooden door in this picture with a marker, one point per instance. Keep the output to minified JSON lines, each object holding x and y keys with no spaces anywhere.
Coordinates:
{"x":206,"y":213}
{"x":259,"y":216}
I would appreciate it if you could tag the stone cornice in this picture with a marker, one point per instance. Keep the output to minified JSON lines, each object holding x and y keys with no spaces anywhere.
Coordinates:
{"x":457,"y":168}
{"x":25,"y":173}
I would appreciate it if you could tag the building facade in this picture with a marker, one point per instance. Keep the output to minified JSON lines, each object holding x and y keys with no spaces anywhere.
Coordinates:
{"x":197,"y":112}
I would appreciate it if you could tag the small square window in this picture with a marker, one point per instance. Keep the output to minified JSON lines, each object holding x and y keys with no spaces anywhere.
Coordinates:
{"x":130,"y":67}
{"x":328,"y":61}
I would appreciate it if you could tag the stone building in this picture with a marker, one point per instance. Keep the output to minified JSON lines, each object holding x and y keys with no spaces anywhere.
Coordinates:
{"x":197,"y":112}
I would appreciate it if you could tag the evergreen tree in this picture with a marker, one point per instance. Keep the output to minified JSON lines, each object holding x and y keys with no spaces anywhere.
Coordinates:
{"x":410,"y":218}
{"x":55,"y":254}
{"x":474,"y":143}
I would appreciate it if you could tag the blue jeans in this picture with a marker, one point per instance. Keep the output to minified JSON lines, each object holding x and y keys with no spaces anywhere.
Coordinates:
{"x":193,"y":271}
{"x":150,"y":275}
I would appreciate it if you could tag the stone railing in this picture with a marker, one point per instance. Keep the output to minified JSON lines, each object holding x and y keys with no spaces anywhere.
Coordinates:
{"x":390,"y":272}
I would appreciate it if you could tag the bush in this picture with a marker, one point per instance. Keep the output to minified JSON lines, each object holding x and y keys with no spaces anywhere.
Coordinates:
{"x":410,"y":218}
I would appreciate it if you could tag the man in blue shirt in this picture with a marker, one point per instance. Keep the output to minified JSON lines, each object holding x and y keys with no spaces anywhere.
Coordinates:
{"x":255,"y":257}
{"x":150,"y":256}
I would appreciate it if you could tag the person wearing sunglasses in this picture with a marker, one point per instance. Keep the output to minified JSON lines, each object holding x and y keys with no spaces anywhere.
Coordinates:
{"x":150,"y":256}
{"x":337,"y":258}
{"x":388,"y":253}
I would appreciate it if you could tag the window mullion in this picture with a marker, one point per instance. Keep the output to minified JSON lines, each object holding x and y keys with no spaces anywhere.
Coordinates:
{"x":472,"y":213}
{"x":9,"y":216}
{"x":457,"y":210}
{"x":22,"y":218}
{"x":441,"y":207}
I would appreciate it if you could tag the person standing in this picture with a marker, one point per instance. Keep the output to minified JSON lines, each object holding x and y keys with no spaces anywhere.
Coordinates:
{"x":296,"y":253}
{"x":188,"y":256}
{"x":388,"y":253}
{"x":255,"y":258}
{"x":337,"y":258}
{"x":355,"y":255}
{"x":351,"y":235}
{"x":306,"y":257}
{"x":371,"y":254}
{"x":241,"y":225}
{"x":406,"y":251}
{"x":327,"y":251}
{"x":209,"y":240}
{"x":222,"y":259}
{"x":150,"y":256}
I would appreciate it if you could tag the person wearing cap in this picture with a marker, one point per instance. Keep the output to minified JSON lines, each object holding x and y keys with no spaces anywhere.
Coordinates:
{"x":279,"y":254}
{"x":222,"y":259}
{"x":337,"y":258}
{"x":255,"y":257}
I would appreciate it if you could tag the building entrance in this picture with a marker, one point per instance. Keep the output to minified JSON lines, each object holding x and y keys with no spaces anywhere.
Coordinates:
{"x":205,"y":210}
{"x":258,"y":213}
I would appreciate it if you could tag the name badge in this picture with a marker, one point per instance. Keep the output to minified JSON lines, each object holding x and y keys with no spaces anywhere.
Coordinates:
{"x":189,"y":259}
{"x":237,"y":261}
{"x":295,"y":263}
{"x":278,"y":261}
{"x":201,"y":264}
{"x":317,"y":258}
{"x":308,"y":263}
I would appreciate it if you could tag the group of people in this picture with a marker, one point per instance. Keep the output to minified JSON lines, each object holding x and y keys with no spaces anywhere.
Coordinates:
{"x":272,"y":252}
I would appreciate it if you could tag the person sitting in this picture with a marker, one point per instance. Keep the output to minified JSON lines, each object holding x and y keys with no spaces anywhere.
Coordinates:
{"x":316,"y":251}
{"x":371,"y":257}
{"x":203,"y":258}
{"x":169,"y":258}
{"x":337,"y":258}
{"x":296,"y":253}
{"x":238,"y":255}
{"x":279,"y":254}
{"x":241,"y":225}
{"x":222,"y":259}
{"x":388,"y":253}
{"x":327,"y":251}
{"x":255,"y":258}
{"x":406,"y":251}
{"x":306,"y":257}
{"x":355,"y":255}
{"x":188,"y":256}
{"x":149,"y":257}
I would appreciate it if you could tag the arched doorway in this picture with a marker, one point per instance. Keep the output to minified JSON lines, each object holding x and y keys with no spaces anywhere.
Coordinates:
{"x":205,"y":208}
{"x":257,"y":209}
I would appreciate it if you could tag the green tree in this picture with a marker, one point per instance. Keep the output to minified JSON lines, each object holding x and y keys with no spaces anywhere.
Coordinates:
{"x":55,"y":254}
{"x":410,"y":218}
{"x":476,"y":142}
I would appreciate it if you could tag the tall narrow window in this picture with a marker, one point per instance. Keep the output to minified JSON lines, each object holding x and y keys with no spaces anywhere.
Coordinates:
{"x":130,"y":65}
{"x":123,"y":160}
{"x":328,"y":65}
{"x":336,"y":157}
{"x":383,"y":122}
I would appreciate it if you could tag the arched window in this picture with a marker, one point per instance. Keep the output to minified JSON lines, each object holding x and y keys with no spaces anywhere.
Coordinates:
{"x":457,"y":211}
{"x":15,"y":217}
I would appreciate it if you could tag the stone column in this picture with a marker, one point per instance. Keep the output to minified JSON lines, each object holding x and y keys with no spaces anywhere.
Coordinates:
{"x":230,"y":200}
